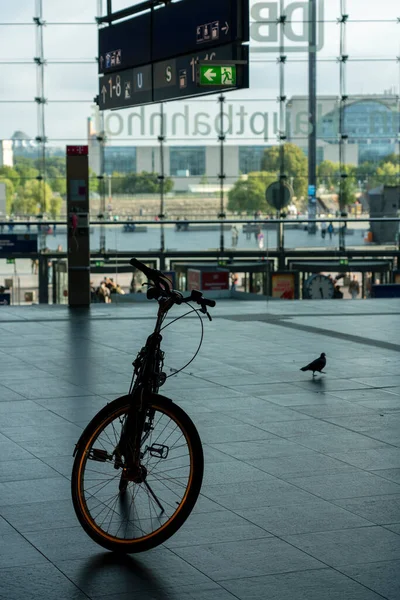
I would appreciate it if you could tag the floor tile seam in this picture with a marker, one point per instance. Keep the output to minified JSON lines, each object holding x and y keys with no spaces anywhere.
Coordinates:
{"x":327,"y":569}
{"x":187,"y":562}
{"x":292,"y":483}
{"x":367,"y":524}
{"x":49,"y":562}
{"x":338,"y":335}
{"x":337,"y":567}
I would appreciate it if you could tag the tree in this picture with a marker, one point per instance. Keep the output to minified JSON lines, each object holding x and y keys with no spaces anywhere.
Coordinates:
{"x":144,"y":183}
{"x":388,"y":174}
{"x":93,"y":181}
{"x":327,"y":174}
{"x":10,"y":192}
{"x":248,"y":195}
{"x":348,"y":186}
{"x":33,"y":198}
{"x":11,"y":174}
{"x":295,"y":166}
{"x":55,"y":206}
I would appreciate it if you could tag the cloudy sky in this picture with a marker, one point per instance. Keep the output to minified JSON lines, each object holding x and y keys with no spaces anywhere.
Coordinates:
{"x":70,"y":47}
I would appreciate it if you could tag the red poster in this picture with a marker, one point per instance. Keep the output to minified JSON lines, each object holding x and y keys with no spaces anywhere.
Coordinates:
{"x":217,"y":280}
{"x":283,"y":286}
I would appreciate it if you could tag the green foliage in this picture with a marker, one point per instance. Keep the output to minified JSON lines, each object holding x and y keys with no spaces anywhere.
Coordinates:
{"x":388,"y":174}
{"x":33,"y":198}
{"x":55,"y":206}
{"x":327,"y":174}
{"x":11,"y":174}
{"x":295,"y":166}
{"x":248,"y":195}
{"x":139,"y":183}
{"x":94,"y":182}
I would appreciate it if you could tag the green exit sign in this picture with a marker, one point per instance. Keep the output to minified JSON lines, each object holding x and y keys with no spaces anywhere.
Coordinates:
{"x":11,"y":261}
{"x":99,"y":263}
{"x":217,"y":75}
{"x":344,"y":261}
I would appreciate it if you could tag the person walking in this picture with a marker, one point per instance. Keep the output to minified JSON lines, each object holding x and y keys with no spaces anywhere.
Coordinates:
{"x":354,"y":288}
{"x":330,"y":229}
{"x":323,"y":229}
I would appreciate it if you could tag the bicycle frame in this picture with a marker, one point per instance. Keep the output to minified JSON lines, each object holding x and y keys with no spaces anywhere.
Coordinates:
{"x":148,"y":381}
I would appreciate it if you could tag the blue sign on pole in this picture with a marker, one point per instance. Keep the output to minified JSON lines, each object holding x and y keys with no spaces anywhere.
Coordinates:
{"x":311,"y":190}
{"x":5,"y":299}
{"x":17,"y":243}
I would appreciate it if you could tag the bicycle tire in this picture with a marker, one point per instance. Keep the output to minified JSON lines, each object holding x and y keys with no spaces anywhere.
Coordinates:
{"x":92,"y":433}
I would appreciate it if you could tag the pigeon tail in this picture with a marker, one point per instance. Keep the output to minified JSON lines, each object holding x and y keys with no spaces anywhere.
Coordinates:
{"x":304,"y":369}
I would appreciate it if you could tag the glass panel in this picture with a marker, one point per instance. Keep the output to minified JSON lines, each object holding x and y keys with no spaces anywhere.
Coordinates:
{"x":18,"y":82}
{"x":71,"y":82}
{"x":17,"y":42}
{"x":71,"y":42}
{"x":71,"y":11}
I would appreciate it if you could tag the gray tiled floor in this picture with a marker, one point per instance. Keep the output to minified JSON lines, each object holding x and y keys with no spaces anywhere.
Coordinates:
{"x":301,"y":491}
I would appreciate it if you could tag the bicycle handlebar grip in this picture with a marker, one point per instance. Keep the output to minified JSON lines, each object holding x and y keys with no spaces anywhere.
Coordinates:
{"x":211,"y":303}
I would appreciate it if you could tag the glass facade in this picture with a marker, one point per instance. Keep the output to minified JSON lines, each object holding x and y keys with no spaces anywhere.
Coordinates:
{"x":49,"y":80}
{"x":250,"y":158}
{"x":187,"y":162}
{"x":119,"y":159}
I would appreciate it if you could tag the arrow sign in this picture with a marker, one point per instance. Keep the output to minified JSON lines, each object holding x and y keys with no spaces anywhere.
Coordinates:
{"x":210,"y":74}
{"x":104,"y":92}
{"x":226,"y":28}
{"x":217,"y":75}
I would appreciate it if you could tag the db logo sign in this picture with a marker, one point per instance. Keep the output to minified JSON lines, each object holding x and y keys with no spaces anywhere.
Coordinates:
{"x":266,"y":30}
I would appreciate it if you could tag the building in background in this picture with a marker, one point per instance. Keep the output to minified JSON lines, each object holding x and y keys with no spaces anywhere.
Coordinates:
{"x":370,"y":122}
{"x":6,"y":153}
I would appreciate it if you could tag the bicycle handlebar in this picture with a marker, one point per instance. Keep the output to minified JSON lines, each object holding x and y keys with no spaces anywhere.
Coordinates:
{"x":163,"y":284}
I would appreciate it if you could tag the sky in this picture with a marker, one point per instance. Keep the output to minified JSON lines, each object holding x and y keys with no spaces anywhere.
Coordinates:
{"x":373,"y":43}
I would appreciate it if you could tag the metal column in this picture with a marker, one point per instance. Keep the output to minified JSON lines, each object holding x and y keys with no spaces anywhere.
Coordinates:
{"x":312,"y":111}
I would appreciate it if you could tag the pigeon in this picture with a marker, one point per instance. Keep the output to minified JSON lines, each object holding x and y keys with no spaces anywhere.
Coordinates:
{"x":316,"y":365}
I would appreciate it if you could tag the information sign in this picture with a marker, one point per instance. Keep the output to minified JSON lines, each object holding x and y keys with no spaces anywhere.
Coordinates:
{"x":125,"y":45}
{"x":173,"y":30}
{"x":177,"y":78}
{"x":15,"y":243}
{"x":218,"y":75}
{"x":153,"y":57}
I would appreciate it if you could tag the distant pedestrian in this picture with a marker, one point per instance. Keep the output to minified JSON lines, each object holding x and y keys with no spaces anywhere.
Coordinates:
{"x":354,"y":288}
{"x":235,"y":236}
{"x":260,"y":240}
{"x":330,"y":229}
{"x":323,"y":229}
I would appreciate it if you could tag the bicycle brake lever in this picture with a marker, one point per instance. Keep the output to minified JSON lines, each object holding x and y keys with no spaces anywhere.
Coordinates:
{"x":205,"y":312}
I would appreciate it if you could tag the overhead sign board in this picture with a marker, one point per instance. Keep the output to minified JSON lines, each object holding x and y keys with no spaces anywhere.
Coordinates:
{"x":15,"y":243}
{"x":125,"y":45}
{"x":217,"y":75}
{"x":177,"y":78}
{"x":169,"y":80}
{"x":170,"y":31}
{"x":187,"y":26}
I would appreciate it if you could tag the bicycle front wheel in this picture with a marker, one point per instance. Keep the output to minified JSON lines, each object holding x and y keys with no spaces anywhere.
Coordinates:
{"x":124,"y":515}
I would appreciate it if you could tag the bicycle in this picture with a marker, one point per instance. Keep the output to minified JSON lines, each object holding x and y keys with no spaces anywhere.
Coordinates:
{"x":139,"y":463}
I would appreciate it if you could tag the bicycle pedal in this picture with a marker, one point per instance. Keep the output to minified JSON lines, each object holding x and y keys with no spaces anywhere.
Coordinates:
{"x":99,"y":455}
{"x":158,"y":450}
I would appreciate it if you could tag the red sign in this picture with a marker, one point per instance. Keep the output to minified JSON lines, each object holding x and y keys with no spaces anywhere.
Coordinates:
{"x":217,"y":280}
{"x":77,"y":150}
{"x":283,"y":286}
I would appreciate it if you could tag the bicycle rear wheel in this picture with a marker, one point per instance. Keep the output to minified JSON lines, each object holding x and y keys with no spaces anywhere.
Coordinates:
{"x":127,"y":516}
